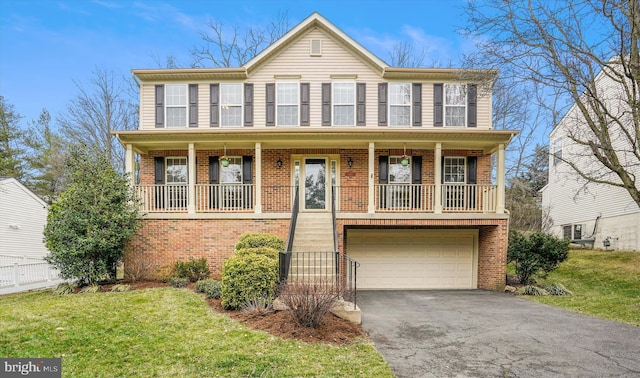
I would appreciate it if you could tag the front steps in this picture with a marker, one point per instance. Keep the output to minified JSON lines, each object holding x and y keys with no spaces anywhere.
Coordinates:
{"x":313,"y":258}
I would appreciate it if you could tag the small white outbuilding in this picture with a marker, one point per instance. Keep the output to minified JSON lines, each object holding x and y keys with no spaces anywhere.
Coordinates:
{"x":23,"y":216}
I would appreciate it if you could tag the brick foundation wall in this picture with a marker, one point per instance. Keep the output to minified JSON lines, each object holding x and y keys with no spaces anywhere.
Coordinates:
{"x":492,"y":241}
{"x":162,"y":242}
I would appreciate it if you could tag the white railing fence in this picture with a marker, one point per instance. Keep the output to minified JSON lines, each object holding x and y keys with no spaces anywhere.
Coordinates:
{"x":22,"y":273}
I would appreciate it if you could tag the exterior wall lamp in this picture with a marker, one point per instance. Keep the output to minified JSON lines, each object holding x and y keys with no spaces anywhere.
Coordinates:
{"x":279,"y":163}
{"x":350,"y":162}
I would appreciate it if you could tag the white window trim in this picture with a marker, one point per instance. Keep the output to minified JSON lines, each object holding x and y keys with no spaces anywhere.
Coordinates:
{"x":166,"y":169}
{"x":393,"y":104}
{"x":399,"y":158}
{"x":185,"y":106}
{"x":278,"y":104}
{"x":241,"y":172}
{"x":444,"y":105}
{"x":464,"y":176}
{"x":334,"y":104}
{"x":220,"y":104}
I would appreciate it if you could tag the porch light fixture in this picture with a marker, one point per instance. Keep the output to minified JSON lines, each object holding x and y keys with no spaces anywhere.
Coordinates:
{"x":350,"y":162}
{"x":404,"y":158}
{"x":279,"y":163}
{"x":224,"y":160}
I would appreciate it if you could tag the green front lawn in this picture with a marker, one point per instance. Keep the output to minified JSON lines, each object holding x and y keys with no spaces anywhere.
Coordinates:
{"x":604,"y":284}
{"x":163,"y":333}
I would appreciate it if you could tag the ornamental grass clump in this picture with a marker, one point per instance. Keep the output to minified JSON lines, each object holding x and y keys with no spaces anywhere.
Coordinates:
{"x":557,"y":288}
{"x":532,"y":290}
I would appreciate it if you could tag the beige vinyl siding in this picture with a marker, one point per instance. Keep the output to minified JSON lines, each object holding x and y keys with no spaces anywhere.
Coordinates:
{"x":22,"y":221}
{"x":147,"y":106}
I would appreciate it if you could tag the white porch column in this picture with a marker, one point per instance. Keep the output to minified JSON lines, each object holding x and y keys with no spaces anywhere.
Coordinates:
{"x":437,"y":179}
{"x":129,"y":159}
{"x":191,"y":203}
{"x":371,"y":208}
{"x":500,"y":181}
{"x":258,"y":205}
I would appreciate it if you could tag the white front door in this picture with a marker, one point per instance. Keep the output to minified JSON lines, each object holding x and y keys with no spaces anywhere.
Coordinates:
{"x":315,"y":193}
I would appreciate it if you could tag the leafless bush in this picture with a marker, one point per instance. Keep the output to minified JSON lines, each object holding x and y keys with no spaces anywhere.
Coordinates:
{"x":309,"y":302}
{"x":138,"y":270}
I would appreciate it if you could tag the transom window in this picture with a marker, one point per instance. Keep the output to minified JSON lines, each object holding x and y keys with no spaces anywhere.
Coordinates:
{"x":176,"y":105}
{"x":454,"y":170}
{"x":287,"y":101}
{"x":455,"y":105}
{"x":399,"y":104}
{"x":232,"y":173}
{"x":231,"y":104}
{"x":344,"y":101}
{"x":176,"y":170}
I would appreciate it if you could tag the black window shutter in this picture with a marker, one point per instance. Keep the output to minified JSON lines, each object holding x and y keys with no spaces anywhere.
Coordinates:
{"x":361,"y":104}
{"x":304,"y":104}
{"x":382,"y":104}
{"x":442,"y":170}
{"x":247,"y":170}
{"x":472,"y":105}
{"x":438,"y":104}
{"x":215,"y":110}
{"x":248,"y":104}
{"x":416,"y":178}
{"x":193,"y":105}
{"x":472,"y":170}
{"x":270,"y":95}
{"x":326,"y":104}
{"x":417,"y":104}
{"x":214,"y":170}
{"x":158,"y":171}
{"x":159,"y":105}
{"x":383,"y":169}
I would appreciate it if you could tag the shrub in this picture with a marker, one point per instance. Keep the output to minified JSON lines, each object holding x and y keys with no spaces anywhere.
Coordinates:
{"x":211,"y":288}
{"x":63,"y":289}
{"x":193,"y":270}
{"x":309,"y":302}
{"x":259,"y":239}
{"x":258,"y":306}
{"x":558,"y":289}
{"x":246,"y":278}
{"x":179,"y":281}
{"x":138,"y":270}
{"x":120,"y":288}
{"x":532,"y":290}
{"x":535,"y":254}
{"x":265,"y":251}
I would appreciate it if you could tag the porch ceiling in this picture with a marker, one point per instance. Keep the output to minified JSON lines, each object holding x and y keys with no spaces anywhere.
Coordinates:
{"x":164,"y":139}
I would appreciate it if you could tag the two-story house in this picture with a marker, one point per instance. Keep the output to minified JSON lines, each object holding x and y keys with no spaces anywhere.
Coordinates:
{"x":400,"y":157}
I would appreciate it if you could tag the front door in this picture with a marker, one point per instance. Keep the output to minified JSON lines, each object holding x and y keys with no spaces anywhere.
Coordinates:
{"x":315,"y":184}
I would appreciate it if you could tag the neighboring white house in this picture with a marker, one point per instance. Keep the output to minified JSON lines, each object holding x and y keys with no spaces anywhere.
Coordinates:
{"x":599,"y":214}
{"x":23,"y":216}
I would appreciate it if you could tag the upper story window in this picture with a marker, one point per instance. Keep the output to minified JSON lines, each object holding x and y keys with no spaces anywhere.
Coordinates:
{"x":557,"y":150}
{"x":455,"y":105}
{"x":399,"y":104}
{"x":176,"y":105}
{"x":231,"y":104}
{"x":344,"y":103}
{"x":287,"y":104}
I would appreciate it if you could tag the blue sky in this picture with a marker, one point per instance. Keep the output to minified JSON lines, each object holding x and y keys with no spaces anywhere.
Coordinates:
{"x":46,"y":44}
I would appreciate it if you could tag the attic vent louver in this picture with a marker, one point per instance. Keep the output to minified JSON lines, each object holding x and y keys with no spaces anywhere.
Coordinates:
{"x":316,"y":47}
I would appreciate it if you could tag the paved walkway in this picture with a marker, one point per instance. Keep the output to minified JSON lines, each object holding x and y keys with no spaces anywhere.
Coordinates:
{"x":479,"y":333}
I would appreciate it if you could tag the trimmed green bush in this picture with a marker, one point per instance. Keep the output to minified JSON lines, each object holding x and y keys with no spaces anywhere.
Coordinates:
{"x":194,"y":270}
{"x":265,"y":251}
{"x":246,"y":278}
{"x":557,"y":288}
{"x":211,"y":288}
{"x":260,"y":239}
{"x":532,"y":290}
{"x":535,"y":254}
{"x":179,"y":281}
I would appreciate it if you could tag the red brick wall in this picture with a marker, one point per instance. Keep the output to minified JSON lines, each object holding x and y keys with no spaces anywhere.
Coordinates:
{"x":161,"y":242}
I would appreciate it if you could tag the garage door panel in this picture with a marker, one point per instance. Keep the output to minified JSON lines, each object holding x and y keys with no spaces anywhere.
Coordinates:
{"x":412,"y":259}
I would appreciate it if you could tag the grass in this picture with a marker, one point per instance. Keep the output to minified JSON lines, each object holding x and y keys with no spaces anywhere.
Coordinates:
{"x":604,"y":284}
{"x":163,"y":332}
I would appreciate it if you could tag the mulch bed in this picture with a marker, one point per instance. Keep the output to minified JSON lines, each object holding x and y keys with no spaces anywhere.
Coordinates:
{"x":332,"y":330}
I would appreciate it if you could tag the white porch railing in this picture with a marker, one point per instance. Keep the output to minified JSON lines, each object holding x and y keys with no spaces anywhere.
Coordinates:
{"x":466,"y":198}
{"x":163,"y":198}
{"x":404,"y":197}
{"x":225,"y":197}
{"x":17,"y":274}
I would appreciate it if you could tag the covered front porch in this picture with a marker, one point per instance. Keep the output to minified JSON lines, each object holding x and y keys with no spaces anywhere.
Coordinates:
{"x":217,"y":173}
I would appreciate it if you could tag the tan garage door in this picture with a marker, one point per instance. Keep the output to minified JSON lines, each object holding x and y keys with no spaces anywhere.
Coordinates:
{"x":414,"y":259}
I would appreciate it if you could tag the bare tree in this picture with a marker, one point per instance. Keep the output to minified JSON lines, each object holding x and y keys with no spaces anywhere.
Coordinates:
{"x":231,"y":47}
{"x":561,"y":48}
{"x":97,"y":111}
{"x":405,"y":54}
{"x":11,"y":142}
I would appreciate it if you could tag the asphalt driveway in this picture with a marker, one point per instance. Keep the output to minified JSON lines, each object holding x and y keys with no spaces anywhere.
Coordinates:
{"x":478,"y":333}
